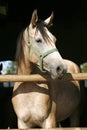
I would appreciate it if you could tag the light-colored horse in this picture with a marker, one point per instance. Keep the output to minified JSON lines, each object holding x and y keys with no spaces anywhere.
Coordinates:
{"x":44,"y":104}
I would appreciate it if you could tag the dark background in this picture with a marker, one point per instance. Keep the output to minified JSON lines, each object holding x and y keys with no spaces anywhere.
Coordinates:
{"x":70,"y":26}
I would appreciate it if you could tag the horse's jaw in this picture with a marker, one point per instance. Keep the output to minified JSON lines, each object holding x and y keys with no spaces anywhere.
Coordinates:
{"x":55,"y":68}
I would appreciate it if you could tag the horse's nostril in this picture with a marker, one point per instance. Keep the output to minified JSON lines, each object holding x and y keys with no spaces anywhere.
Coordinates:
{"x":58,"y":69}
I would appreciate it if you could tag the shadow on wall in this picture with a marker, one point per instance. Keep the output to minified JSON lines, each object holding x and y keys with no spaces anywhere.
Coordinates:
{"x":7,"y":115}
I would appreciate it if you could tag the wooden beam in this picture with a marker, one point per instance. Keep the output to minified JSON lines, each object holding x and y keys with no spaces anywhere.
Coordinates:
{"x":69,"y":128}
{"x":37,"y":77}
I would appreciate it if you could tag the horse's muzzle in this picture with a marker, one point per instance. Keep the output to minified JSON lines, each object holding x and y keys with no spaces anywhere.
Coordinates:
{"x":58,"y":72}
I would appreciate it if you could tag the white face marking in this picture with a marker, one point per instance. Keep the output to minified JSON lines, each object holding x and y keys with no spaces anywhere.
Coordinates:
{"x":42,"y":44}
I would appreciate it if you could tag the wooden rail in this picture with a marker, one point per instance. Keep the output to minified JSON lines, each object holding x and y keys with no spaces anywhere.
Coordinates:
{"x":37,"y":77}
{"x":69,"y":128}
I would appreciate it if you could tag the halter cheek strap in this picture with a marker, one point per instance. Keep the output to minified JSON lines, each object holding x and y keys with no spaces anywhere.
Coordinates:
{"x":40,"y":56}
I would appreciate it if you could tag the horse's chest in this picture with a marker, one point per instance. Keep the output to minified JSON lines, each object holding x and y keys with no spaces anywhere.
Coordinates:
{"x":38,"y":114}
{"x":39,"y":107}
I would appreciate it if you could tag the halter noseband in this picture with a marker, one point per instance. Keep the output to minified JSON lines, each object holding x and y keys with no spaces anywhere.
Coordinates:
{"x":40,"y":56}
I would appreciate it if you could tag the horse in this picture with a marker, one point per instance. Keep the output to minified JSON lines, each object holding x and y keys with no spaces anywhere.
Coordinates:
{"x":44,"y":104}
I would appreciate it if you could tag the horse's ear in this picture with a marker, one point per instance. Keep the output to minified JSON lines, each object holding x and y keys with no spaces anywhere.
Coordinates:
{"x":49,"y":20}
{"x":34,"y":18}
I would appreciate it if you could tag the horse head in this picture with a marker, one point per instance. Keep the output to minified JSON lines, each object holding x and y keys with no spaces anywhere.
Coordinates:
{"x":42,"y":47}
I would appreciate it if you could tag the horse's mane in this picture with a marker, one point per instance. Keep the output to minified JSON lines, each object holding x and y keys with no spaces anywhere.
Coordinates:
{"x":40,"y":26}
{"x":19,"y":49}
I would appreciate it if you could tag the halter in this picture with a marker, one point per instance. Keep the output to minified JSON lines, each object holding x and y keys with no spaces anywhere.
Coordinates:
{"x":40,"y":56}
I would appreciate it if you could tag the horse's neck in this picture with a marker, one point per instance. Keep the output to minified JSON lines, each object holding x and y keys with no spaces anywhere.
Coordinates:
{"x":28,"y":68}
{"x":24,"y":68}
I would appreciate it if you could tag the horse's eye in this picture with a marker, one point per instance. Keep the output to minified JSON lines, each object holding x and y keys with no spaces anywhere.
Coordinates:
{"x":38,"y":40}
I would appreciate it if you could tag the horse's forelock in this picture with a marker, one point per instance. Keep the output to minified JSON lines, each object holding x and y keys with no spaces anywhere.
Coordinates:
{"x":40,"y":25}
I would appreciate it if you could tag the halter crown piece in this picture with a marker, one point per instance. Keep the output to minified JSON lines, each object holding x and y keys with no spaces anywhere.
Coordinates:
{"x":40,"y":56}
